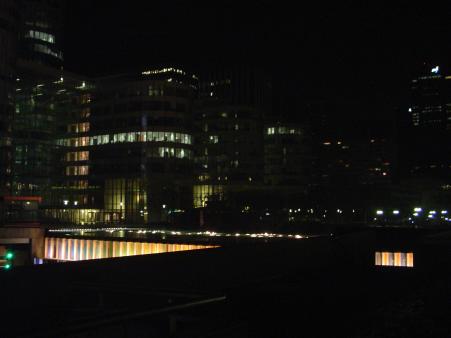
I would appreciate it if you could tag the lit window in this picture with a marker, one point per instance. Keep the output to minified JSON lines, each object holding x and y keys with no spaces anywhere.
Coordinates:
{"x":77,"y":170}
{"x":82,"y":141}
{"x":282,"y":130}
{"x":77,"y":156}
{"x":41,"y":36}
{"x":46,"y":50}
{"x":213,"y":139}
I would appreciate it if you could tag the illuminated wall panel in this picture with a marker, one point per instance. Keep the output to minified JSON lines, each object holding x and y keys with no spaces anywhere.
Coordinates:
{"x":63,"y":249}
{"x":399,"y":259}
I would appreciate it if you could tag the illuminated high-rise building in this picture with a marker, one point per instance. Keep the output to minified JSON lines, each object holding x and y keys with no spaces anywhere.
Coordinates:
{"x":428,"y":144}
{"x":431,"y":100}
{"x":46,"y":97}
{"x":41,"y":31}
{"x":127,"y":152}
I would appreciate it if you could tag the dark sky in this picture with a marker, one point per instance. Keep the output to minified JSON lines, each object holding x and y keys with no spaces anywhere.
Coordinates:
{"x":350,"y":51}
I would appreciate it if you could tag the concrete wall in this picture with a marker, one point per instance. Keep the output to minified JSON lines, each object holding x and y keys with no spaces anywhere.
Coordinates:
{"x":18,"y":234}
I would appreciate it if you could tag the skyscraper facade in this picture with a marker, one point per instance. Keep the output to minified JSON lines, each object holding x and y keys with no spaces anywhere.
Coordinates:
{"x":425,"y":139}
{"x":41,"y":31}
{"x":8,"y":25}
{"x":46,"y":98}
{"x":34,"y":123}
{"x":287,"y":155}
{"x":229,"y":119}
{"x":430,"y":139}
{"x":35,"y":127}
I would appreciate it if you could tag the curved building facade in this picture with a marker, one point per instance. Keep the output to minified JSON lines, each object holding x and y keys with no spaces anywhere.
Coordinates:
{"x":41,"y":31}
{"x":133,"y":152}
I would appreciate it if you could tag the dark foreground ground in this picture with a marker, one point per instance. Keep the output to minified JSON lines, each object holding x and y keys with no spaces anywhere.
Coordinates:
{"x":320,"y":287}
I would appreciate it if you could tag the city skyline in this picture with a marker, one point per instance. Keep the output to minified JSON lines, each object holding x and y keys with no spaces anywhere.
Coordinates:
{"x":201,"y":170}
{"x":341,"y":54}
{"x":219,"y":107}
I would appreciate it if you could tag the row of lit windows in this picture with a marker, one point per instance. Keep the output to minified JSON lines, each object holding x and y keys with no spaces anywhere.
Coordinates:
{"x":41,"y":36}
{"x":140,"y":136}
{"x":74,"y":142}
{"x":174,"y":152}
{"x":167,"y":70}
{"x":235,"y":127}
{"x":80,"y":184}
{"x":282,"y":131}
{"x":46,"y":50}
{"x":78,"y":127}
{"x":39,"y":24}
{"x":77,"y":170}
{"x":203,"y":178}
{"x":163,"y":152}
{"x":164,"y":70}
{"x":77,"y":156}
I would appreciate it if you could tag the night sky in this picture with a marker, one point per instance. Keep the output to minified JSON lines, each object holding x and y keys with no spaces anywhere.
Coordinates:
{"x":362,"y":54}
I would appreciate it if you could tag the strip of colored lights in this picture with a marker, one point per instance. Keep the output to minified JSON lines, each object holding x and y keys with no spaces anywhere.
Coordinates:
{"x":185,"y":233}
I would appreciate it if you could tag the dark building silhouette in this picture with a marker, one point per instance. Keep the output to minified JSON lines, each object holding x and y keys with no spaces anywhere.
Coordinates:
{"x":358,"y":153}
{"x":34,"y":124}
{"x":46,"y":98}
{"x":429,"y":142}
{"x":35,"y":127}
{"x":229,"y":118}
{"x":287,"y":155}
{"x":425,"y":140}
{"x":8,"y":32}
{"x":354,"y":161}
